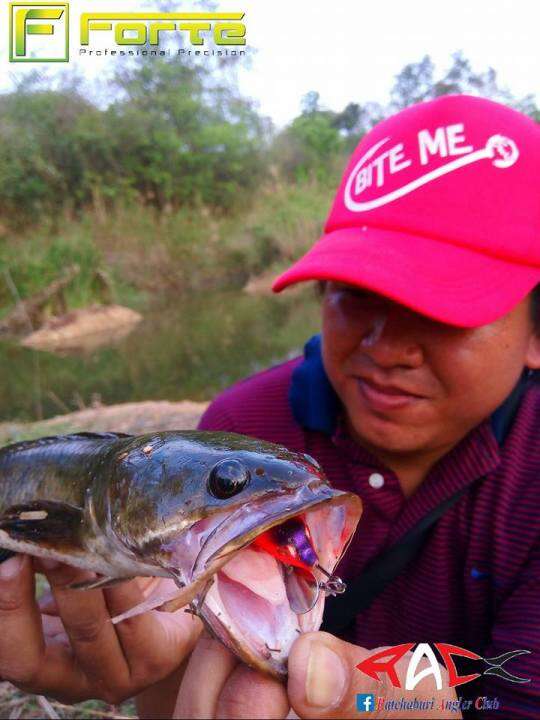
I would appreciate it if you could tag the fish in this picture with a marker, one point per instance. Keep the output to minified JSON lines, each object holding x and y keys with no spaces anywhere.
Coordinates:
{"x":250,"y":532}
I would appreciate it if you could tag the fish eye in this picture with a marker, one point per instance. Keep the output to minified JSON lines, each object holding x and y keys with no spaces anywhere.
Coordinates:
{"x":227,"y":478}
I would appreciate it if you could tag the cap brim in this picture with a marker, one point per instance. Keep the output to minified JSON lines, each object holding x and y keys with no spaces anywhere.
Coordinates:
{"x":446,"y":282}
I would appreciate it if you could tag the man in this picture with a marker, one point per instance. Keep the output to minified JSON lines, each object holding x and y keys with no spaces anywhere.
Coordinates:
{"x":420,"y":397}
{"x":429,"y":253}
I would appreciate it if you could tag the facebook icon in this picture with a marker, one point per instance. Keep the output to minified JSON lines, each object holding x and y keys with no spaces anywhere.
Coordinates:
{"x":365,"y":702}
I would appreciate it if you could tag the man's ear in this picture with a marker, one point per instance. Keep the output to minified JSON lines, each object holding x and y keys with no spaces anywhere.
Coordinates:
{"x":532,"y":358}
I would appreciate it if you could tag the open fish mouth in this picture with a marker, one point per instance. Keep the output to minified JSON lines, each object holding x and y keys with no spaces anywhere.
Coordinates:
{"x":258,"y":576}
{"x":262,"y":598}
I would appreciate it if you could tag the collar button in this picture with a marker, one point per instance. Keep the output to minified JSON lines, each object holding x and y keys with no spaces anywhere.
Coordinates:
{"x":376,"y":480}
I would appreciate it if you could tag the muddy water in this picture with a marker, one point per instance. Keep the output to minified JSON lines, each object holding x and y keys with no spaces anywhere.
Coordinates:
{"x":188,"y":349}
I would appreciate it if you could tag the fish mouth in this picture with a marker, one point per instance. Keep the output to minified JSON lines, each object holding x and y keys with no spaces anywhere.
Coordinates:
{"x":254,"y":602}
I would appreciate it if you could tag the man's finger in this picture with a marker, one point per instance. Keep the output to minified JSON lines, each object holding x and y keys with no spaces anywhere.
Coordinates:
{"x":86,"y":620}
{"x":209,"y":667}
{"x":22,"y":645}
{"x":320,"y":677}
{"x":174,"y":634}
{"x":119,"y":659}
{"x":249,"y":694}
{"x":25,"y":660}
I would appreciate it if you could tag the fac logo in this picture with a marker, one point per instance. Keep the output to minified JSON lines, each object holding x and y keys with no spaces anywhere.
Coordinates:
{"x":38,"y":32}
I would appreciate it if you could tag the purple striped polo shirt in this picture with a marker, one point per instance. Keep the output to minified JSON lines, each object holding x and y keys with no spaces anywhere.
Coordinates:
{"x":476,"y":581}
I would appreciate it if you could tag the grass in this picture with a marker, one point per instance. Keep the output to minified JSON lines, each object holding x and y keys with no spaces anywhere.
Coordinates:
{"x":16,"y":704}
{"x":146,"y":255}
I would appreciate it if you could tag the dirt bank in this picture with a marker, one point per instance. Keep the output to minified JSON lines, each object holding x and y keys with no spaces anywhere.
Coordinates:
{"x":135,"y":417}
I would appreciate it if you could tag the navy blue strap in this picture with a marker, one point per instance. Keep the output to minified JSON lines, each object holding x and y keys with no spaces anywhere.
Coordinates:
{"x":340,"y":611}
{"x":312,"y":398}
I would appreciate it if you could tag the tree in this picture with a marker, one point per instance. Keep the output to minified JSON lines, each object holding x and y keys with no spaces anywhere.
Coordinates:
{"x":175,"y":135}
{"x":181,"y":141}
{"x":308,"y":147}
{"x":416,"y":83}
{"x":413,"y":84}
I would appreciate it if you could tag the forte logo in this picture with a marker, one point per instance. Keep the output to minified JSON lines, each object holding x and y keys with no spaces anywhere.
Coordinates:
{"x":148,"y":28}
{"x":39,"y":32}
{"x":384,"y":663}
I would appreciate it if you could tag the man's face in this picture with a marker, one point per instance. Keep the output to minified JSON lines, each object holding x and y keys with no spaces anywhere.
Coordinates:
{"x":410,"y":384}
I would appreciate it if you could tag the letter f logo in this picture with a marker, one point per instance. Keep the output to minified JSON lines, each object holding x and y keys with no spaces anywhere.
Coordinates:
{"x":21,"y":28}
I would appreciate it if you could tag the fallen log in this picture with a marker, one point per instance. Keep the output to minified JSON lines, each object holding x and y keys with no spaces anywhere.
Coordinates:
{"x":28,"y":314}
{"x":84,"y":329}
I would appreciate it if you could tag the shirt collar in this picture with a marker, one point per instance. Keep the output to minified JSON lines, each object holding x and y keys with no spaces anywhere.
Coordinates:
{"x":316,"y":406}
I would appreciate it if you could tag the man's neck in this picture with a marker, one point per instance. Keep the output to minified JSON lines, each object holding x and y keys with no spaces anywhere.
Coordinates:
{"x":411,"y":472}
{"x":411,"y":469}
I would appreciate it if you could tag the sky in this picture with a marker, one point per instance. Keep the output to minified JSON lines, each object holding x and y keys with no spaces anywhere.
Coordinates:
{"x":350,"y":50}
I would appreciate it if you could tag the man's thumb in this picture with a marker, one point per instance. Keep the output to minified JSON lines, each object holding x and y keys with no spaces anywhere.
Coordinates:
{"x":321,"y":676}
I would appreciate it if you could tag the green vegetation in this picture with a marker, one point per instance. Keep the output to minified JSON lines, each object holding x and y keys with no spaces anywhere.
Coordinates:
{"x":178,"y":183}
{"x":149,"y":255}
{"x":173,"y":138}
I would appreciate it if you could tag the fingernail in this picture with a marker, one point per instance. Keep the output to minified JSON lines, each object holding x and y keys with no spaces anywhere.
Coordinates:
{"x":326,"y":678}
{"x":10,"y":568}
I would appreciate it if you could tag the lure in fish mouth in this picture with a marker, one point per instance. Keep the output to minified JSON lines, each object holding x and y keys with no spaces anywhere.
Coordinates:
{"x":250,"y":532}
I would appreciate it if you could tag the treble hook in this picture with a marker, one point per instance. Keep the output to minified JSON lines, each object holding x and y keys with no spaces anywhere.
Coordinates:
{"x":334,"y":585}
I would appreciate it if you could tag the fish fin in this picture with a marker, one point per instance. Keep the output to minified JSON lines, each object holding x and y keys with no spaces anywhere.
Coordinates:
{"x":196,"y":601}
{"x":102,"y":582}
{"x":175,"y":604}
{"x":43,"y":522}
{"x":6,"y":554}
{"x":168,"y":600}
{"x":49,"y":439}
{"x":97,"y":435}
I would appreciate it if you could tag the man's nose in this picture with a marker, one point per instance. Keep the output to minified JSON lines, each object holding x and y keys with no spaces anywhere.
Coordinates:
{"x":391,"y":340}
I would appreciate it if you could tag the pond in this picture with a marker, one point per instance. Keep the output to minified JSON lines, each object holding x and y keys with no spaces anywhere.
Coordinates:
{"x":190,"y":348}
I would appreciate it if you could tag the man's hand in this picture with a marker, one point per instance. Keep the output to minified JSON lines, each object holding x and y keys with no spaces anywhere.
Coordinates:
{"x":323,"y":683}
{"x":217,"y":685}
{"x":70,"y":650}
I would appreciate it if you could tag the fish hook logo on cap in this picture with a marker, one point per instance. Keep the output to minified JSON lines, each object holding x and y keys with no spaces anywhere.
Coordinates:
{"x":502,"y":151}
{"x":439,"y":210}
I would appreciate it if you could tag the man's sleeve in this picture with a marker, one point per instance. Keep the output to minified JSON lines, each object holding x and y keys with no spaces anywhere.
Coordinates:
{"x":217,"y":417}
{"x":516,"y":627}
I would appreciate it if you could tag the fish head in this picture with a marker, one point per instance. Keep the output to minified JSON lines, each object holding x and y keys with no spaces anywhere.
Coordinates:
{"x":253,"y":529}
{"x":169,"y":482}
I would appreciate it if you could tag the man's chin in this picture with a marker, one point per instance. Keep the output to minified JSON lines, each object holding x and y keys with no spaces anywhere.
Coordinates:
{"x":384,"y":437}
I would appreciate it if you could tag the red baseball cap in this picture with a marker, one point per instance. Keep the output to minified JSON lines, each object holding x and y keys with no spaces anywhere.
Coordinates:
{"x":439,"y":210}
